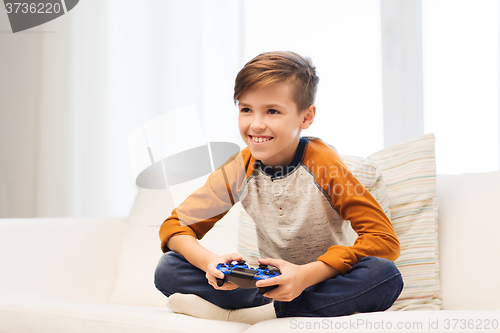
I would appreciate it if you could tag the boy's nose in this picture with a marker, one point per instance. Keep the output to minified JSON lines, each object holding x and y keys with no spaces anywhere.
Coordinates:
{"x":258,"y":125}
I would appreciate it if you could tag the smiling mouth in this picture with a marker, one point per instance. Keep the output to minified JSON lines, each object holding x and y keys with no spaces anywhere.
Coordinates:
{"x":259,"y":139}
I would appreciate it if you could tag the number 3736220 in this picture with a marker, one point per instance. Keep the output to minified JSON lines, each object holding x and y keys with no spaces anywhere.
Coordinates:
{"x":32,"y":8}
{"x":474,"y":324}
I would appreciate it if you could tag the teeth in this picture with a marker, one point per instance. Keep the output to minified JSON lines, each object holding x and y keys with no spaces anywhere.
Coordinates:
{"x":260,"y":139}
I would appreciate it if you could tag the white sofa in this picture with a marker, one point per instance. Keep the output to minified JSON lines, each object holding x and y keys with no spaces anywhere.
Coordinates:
{"x":62,"y":275}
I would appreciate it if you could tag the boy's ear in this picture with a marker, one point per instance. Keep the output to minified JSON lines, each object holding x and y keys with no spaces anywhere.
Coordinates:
{"x":308,"y":116}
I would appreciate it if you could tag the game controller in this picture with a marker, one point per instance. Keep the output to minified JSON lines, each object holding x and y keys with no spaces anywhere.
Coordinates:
{"x":240,"y":274}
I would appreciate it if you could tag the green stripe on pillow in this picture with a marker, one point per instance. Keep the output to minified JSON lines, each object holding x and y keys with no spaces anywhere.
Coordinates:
{"x":409,"y":171}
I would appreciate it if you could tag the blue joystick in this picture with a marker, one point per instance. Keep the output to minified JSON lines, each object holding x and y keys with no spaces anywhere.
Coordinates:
{"x":240,"y":274}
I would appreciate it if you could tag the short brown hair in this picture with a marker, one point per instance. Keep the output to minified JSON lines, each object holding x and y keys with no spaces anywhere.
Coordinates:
{"x":270,"y":67}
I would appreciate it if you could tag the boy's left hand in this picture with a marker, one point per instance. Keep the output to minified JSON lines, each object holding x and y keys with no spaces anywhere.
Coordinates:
{"x":292,"y":280}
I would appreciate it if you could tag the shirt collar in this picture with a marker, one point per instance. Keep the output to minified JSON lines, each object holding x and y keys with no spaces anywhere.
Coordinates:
{"x":283,"y":171}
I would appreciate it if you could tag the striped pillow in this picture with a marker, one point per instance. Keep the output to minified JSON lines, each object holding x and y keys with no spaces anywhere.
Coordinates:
{"x":366,"y":171}
{"x":409,"y":172}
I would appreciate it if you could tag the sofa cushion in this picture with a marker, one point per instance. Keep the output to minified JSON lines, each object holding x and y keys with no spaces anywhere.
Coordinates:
{"x":469,"y":225}
{"x":409,"y":171}
{"x":65,"y":317}
{"x":141,"y":250}
{"x":59,"y":259}
{"x":393,"y":321}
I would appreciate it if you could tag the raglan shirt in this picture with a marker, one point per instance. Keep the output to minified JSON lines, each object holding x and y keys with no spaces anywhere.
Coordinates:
{"x":313,"y":209}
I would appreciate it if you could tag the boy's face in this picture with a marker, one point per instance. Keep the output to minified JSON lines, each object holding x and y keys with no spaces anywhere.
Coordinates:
{"x":270,"y":124}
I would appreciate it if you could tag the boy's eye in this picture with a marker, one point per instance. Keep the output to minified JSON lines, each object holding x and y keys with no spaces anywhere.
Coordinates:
{"x":245,"y":110}
{"x":273,"y":111}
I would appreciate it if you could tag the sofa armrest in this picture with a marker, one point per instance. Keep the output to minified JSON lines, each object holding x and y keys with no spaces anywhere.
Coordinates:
{"x":59,"y":259}
{"x":468,"y":240}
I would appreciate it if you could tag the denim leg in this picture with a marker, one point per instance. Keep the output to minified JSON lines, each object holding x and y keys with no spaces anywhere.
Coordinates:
{"x":373,"y":284}
{"x":174,"y":274}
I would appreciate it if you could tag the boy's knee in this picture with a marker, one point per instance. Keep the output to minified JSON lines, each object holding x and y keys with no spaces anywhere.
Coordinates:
{"x":386,"y":279}
{"x":165,"y":270}
{"x":380,"y":265}
{"x":166,"y":261}
{"x":388,"y":271}
{"x":383,"y":270}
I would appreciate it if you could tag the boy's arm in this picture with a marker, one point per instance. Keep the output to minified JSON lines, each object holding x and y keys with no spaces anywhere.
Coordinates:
{"x":192,"y":250}
{"x":316,"y":272}
{"x":376,"y":235}
{"x":353,"y":202}
{"x":198,"y":213}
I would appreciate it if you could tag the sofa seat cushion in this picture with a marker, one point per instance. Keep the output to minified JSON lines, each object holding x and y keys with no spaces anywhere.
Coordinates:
{"x":392,"y":321}
{"x":141,"y":250}
{"x":59,"y":259}
{"x":86,"y":317}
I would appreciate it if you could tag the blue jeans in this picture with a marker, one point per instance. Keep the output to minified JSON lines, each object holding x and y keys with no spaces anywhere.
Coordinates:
{"x":373,"y":284}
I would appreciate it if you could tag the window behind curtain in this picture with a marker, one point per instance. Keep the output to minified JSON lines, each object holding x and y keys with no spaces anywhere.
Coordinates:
{"x":343,"y":39}
{"x":460,"y":42}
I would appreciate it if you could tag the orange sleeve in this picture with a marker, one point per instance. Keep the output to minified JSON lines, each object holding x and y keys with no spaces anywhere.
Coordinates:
{"x":199,"y":212}
{"x":351,"y":199}
{"x":172,"y":226}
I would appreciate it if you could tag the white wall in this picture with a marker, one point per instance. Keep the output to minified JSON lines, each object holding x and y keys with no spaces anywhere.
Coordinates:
{"x":91,"y":77}
{"x":73,"y":89}
{"x":19,"y":117}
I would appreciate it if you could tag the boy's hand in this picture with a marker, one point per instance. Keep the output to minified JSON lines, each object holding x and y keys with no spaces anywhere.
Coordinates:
{"x":213,"y":272}
{"x":292,"y":280}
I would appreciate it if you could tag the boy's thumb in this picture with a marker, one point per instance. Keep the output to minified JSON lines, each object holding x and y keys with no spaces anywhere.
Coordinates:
{"x":235,"y":256}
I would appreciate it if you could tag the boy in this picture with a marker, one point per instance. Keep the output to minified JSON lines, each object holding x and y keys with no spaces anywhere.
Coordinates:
{"x":300,"y":194}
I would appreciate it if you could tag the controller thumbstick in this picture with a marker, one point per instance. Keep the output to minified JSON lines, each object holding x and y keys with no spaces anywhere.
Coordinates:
{"x":262,"y":266}
{"x":241,"y":262}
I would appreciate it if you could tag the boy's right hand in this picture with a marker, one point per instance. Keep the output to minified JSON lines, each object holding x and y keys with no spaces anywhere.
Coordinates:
{"x":213,"y":272}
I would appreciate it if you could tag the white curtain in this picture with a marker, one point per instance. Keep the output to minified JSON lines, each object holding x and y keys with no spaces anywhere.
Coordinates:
{"x":105,"y":68}
{"x":73,"y":89}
